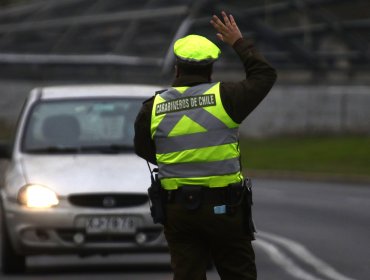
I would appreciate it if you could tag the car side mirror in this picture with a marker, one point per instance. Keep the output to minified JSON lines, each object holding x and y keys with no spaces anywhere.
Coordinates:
{"x":5,"y":150}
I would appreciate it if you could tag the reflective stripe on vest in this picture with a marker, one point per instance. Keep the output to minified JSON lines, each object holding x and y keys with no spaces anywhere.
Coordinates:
{"x":196,"y":140}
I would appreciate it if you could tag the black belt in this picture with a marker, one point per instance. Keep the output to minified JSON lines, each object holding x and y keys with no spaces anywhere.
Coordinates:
{"x":216,"y":196}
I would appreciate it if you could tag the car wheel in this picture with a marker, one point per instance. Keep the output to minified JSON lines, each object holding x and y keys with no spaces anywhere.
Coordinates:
{"x":11,"y":262}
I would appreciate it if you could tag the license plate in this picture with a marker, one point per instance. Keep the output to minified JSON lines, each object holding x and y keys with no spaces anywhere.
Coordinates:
{"x":114,"y":224}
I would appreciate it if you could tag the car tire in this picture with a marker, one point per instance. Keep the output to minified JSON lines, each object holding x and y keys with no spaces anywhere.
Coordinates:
{"x":11,"y":262}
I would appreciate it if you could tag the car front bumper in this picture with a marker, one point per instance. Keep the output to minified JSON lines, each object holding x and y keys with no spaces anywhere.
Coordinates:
{"x":62,"y":230}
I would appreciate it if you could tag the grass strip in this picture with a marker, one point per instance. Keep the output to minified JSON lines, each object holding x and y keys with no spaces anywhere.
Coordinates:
{"x":344,"y":155}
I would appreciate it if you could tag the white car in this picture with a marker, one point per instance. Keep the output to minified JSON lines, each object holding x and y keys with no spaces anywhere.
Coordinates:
{"x":73,"y":183}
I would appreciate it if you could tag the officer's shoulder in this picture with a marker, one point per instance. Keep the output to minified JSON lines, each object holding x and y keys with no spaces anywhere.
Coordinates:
{"x":152,"y":97}
{"x":159,"y":91}
{"x":148,"y":100}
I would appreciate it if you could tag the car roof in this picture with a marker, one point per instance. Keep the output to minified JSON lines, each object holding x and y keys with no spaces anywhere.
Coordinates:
{"x":98,"y":91}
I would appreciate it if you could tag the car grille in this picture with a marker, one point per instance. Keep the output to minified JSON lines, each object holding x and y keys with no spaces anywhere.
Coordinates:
{"x":67,"y":236}
{"x":108,"y":200}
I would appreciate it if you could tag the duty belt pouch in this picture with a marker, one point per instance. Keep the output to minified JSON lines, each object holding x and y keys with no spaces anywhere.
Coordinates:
{"x":157,"y":196}
{"x":234,"y":193}
{"x":247,"y":208}
{"x":191,"y":197}
{"x":234,"y":197}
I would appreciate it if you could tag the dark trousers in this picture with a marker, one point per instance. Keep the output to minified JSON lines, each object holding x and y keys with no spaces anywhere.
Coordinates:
{"x":194,"y":236}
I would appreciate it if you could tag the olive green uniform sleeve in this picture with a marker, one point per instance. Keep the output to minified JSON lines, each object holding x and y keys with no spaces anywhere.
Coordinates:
{"x":144,"y":145}
{"x":241,"y":98}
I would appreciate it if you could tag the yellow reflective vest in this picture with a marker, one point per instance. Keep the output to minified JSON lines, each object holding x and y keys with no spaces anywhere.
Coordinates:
{"x":196,"y":140}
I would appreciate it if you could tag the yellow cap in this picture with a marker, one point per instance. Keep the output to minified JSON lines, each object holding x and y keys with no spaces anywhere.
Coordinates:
{"x":195,"y":48}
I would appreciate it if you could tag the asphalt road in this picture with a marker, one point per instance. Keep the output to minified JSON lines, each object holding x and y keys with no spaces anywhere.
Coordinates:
{"x":307,"y":231}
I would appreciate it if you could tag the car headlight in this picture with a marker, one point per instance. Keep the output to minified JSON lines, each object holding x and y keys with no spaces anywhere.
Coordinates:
{"x":37,"y":196}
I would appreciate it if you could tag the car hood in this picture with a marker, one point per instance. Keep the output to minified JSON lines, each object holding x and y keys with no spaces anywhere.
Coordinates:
{"x":67,"y":174}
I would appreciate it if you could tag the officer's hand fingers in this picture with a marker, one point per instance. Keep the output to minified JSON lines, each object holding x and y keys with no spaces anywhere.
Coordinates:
{"x":226,"y":19}
{"x":214,"y":24}
{"x":219,"y":36}
{"x":234,"y":26}
{"x":218,"y":24}
{"x":232,"y":21}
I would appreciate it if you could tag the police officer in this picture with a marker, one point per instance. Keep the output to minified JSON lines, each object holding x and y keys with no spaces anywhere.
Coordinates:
{"x":191,"y":132}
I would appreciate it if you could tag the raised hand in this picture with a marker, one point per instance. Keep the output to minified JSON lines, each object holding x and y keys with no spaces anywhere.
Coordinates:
{"x":228,"y":30}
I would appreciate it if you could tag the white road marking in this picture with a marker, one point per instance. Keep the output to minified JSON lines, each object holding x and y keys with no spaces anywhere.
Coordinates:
{"x":301,"y":253}
{"x":284,"y":261}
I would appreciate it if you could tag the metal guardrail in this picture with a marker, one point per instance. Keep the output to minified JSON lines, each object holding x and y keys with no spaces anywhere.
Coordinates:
{"x":110,"y":59}
{"x":20,"y":10}
{"x":93,"y":19}
{"x":59,"y":35}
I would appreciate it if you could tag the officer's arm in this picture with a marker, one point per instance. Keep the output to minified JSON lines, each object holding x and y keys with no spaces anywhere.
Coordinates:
{"x":241,"y":98}
{"x":144,"y":145}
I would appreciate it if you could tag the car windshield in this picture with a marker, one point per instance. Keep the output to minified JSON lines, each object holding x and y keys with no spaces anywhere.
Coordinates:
{"x":81,"y":126}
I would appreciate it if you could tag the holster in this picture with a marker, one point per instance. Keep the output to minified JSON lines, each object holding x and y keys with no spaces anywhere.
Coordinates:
{"x":248,"y":222}
{"x":234,"y":197}
{"x":157,"y":196}
{"x":239,"y":195}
